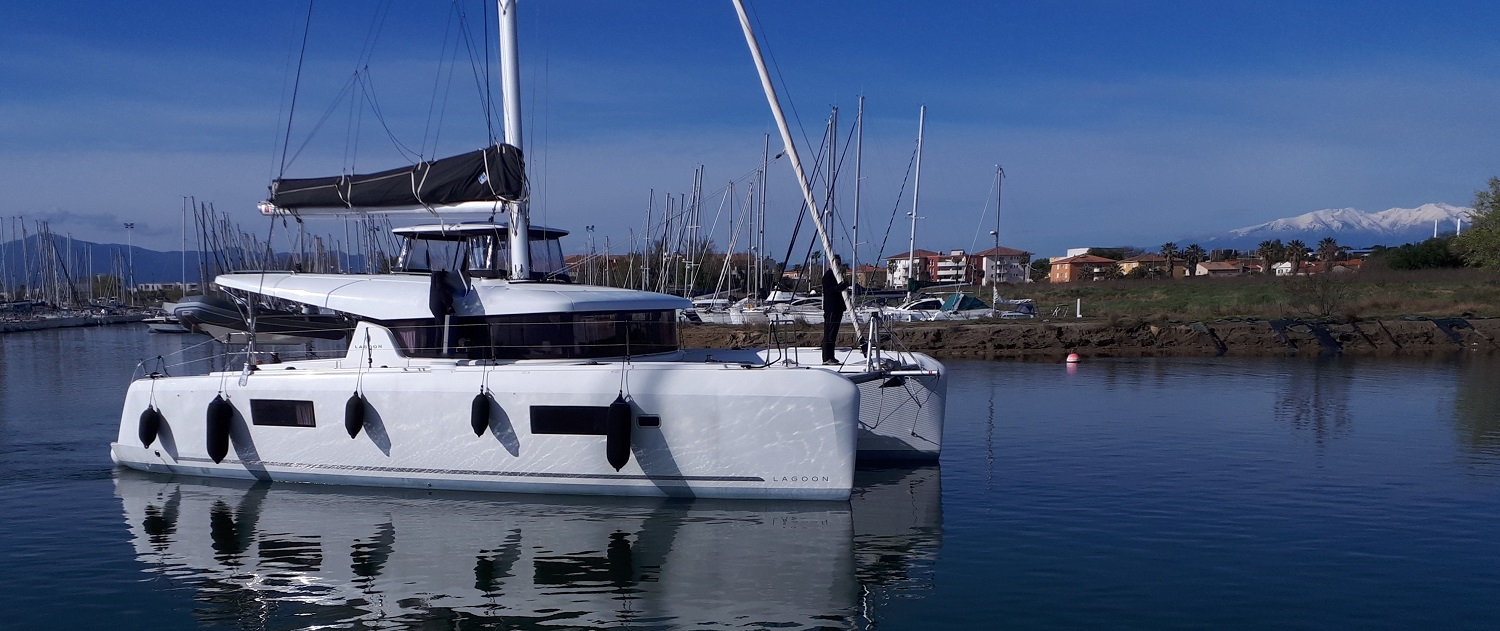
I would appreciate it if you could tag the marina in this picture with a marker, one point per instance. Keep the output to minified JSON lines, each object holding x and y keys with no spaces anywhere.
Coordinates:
{"x":688,"y":346}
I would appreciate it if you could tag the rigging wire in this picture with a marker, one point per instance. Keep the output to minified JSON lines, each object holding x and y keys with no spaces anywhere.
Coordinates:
{"x":896,"y":209}
{"x":296,"y":84}
{"x":984,"y":212}
{"x":436,"y":81}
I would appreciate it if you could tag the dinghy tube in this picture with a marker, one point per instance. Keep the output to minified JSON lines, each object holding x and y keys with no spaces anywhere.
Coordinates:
{"x":220,"y":416}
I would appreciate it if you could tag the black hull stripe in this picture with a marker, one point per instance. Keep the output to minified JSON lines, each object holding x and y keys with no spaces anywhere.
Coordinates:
{"x":472,"y":472}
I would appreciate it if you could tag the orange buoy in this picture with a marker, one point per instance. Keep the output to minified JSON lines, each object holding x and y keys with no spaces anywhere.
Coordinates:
{"x":1072,"y":358}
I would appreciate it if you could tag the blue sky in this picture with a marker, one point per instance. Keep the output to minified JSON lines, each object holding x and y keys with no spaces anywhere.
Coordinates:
{"x":1116,"y":122}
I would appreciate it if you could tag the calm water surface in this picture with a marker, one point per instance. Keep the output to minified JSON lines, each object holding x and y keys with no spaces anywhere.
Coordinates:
{"x":1242,"y":493}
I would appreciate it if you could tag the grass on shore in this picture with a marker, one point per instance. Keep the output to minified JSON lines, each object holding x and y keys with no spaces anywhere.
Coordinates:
{"x":1370,"y":294}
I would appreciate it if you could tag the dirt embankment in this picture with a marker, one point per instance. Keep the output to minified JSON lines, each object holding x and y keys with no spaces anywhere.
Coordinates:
{"x":1101,"y":338}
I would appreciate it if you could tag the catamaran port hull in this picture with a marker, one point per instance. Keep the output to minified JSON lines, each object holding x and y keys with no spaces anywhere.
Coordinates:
{"x":694,"y":430}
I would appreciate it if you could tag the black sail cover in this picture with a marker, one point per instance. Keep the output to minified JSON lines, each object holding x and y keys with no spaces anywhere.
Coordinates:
{"x":496,"y":173}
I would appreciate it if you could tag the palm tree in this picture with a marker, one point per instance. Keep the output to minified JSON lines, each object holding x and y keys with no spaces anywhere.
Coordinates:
{"x":1193,"y":255}
{"x":1328,"y":248}
{"x":1169,"y":250}
{"x":1296,"y":250}
{"x":1271,"y":253}
{"x":1265,"y":251}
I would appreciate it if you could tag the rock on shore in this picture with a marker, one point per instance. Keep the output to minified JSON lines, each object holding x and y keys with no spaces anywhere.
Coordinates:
{"x":1035,"y":339}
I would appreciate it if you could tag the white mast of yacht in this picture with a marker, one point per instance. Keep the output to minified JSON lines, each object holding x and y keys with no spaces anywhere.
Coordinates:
{"x":859,"y":156}
{"x":916,"y":188}
{"x":510,"y":99}
{"x":791,"y":150}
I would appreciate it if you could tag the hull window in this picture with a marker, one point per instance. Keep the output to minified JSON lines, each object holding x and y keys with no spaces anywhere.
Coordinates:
{"x":279,"y":413}
{"x":577,"y":420}
{"x":542,"y":336}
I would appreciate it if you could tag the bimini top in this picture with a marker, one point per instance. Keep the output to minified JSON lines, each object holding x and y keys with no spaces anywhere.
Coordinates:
{"x":405,"y":296}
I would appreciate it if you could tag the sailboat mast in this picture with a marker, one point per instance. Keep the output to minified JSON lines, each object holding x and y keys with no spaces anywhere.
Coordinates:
{"x":916,"y":187}
{"x":791,"y":148}
{"x":995,"y":256}
{"x":859,"y":156}
{"x":760,"y":221}
{"x":184,"y":247}
{"x":832,"y":173}
{"x":510,"y":98}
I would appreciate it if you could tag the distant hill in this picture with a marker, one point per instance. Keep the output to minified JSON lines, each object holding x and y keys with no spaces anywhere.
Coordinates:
{"x":1351,"y":227}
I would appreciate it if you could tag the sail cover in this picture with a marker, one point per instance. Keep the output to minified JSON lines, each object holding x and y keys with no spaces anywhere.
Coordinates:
{"x":496,"y":173}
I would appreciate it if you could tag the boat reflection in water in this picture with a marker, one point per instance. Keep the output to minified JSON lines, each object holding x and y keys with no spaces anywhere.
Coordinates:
{"x":320,"y":555}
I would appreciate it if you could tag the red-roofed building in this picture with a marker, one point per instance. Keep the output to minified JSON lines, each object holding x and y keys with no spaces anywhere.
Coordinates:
{"x":1154,"y":265}
{"x":899,"y":267}
{"x":1004,"y":265}
{"x":1081,"y":267}
{"x":1221,"y":268}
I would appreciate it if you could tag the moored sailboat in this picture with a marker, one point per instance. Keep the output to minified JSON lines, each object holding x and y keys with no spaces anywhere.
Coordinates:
{"x":478,"y":365}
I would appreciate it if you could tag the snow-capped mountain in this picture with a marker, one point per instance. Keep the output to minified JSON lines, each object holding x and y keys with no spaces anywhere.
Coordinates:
{"x":1350,"y":227}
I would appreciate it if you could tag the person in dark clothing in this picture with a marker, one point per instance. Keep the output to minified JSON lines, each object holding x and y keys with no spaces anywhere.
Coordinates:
{"x":833,"y":309}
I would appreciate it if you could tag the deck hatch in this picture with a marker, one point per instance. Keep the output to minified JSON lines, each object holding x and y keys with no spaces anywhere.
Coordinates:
{"x":282,"y":413}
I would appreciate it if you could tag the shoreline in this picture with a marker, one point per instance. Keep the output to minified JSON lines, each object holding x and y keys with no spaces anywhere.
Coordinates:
{"x":44,"y":324}
{"x":1055,"y":339}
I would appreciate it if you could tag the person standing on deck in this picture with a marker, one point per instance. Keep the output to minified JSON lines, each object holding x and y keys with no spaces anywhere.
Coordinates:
{"x":833,"y":309}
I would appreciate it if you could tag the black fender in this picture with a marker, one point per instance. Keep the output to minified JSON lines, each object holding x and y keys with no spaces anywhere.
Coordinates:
{"x":150,"y":425}
{"x":617,"y":433}
{"x":479,"y":412}
{"x":220,"y":418}
{"x":354,"y":414}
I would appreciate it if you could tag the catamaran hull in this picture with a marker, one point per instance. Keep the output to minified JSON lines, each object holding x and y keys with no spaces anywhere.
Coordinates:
{"x":696,"y":430}
{"x":900,"y":409}
{"x":901,"y":418}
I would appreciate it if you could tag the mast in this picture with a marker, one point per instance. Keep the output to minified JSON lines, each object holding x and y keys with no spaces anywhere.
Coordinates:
{"x":184,"y":247}
{"x":859,"y":156}
{"x":995,"y":256}
{"x":916,"y":187}
{"x":646,"y":242}
{"x":510,"y":93}
{"x":759,"y":245}
{"x":832,"y":173}
{"x":791,"y":148}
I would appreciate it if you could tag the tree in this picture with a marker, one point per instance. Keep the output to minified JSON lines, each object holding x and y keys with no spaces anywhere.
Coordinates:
{"x":1328,"y":249}
{"x":1296,"y":251}
{"x":1320,"y":295}
{"x":1433,"y":253}
{"x":1270,"y":253}
{"x":1041,"y":270}
{"x":1480,"y":244}
{"x":1169,"y":250}
{"x":1192,"y":256}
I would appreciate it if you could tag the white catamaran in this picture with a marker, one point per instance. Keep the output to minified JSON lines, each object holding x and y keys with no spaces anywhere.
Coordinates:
{"x":477,"y":365}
